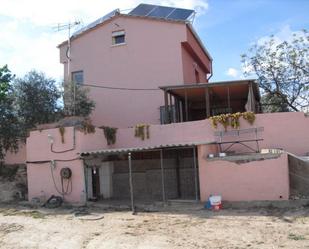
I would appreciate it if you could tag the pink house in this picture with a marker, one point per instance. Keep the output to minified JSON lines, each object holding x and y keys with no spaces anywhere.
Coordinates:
{"x":136,"y":52}
{"x":149,"y":66}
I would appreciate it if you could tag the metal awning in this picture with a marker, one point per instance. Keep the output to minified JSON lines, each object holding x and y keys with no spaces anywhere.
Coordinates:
{"x":146,"y":148}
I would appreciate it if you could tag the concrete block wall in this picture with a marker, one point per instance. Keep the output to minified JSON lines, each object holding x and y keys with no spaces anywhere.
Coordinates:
{"x":299,"y":176}
{"x":147,"y":181}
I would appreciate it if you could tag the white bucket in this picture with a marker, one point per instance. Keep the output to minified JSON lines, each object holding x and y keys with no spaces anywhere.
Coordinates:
{"x":215,"y":200}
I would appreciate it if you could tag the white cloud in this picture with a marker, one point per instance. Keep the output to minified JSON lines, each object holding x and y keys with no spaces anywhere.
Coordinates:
{"x":232,"y":72}
{"x":284,"y":34}
{"x":28,"y":40}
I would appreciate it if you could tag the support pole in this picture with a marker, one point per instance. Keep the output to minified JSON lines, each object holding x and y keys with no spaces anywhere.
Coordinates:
{"x":171,"y":109}
{"x":162,"y":176}
{"x":131,"y":183}
{"x":176,"y":109}
{"x":186,"y":105}
{"x":195,"y":174}
{"x":165,"y":107}
{"x":207,"y":102}
{"x":181,"y":111}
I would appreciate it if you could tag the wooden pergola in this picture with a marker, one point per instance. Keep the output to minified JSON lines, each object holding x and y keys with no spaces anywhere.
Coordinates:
{"x":191,"y":102}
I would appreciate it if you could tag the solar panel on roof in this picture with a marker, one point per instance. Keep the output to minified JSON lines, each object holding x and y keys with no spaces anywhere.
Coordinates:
{"x":180,"y":14}
{"x":161,"y":12}
{"x":142,"y":9}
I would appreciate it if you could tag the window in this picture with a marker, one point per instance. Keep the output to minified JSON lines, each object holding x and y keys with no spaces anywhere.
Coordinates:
{"x":78,"y":77}
{"x":118,"y":37}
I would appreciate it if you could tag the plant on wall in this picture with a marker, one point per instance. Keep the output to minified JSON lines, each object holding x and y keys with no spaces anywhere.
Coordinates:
{"x":110,"y":134}
{"x":249,"y":116}
{"x":232,"y":119}
{"x":62,"y":131}
{"x":221,"y":119}
{"x":235,"y":120}
{"x":142,"y":131}
{"x":87,"y":127}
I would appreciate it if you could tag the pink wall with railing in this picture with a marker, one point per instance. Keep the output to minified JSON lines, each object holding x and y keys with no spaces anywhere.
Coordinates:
{"x":281,"y":130}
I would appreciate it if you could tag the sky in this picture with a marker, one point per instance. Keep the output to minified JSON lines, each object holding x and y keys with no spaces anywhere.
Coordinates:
{"x":228,"y":28}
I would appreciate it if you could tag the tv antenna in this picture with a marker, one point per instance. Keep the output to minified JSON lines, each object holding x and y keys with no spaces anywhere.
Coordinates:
{"x":67,"y":26}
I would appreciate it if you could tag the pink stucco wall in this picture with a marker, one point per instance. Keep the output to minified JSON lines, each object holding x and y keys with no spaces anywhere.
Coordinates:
{"x":288,"y":131}
{"x":189,"y":67}
{"x":40,"y":181}
{"x":256,"y":180}
{"x":151,"y":57}
{"x":282,"y":130}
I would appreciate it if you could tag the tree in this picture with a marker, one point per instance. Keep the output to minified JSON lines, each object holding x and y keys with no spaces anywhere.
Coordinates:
{"x":36,"y":99}
{"x":5,"y":78}
{"x":282,"y":69}
{"x":76,"y":100}
{"x":273,"y":104}
{"x":9,"y":128}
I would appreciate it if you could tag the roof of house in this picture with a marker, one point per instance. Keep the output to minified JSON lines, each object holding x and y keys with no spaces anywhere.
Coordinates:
{"x":145,"y":148}
{"x":198,"y":89}
{"x":116,"y":13}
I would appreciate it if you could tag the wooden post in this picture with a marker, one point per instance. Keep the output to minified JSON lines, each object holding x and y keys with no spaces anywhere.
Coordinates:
{"x":176,"y":109}
{"x":131,"y":183}
{"x":195,"y":174}
{"x":207,"y":105}
{"x":181,"y":110}
{"x":162,"y":176}
{"x":186,"y":105}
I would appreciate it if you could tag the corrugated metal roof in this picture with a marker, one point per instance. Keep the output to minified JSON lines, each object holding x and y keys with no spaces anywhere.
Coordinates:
{"x":140,"y":149}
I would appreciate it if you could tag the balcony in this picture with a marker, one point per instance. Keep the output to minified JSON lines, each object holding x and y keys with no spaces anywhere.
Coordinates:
{"x":191,"y":102}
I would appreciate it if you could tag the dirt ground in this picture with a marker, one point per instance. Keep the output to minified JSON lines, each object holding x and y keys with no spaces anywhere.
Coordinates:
{"x":171,"y":227}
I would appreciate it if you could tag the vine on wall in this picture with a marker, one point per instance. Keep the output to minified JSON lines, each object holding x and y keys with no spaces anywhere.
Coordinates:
{"x":232,"y":119}
{"x":62,"y":131}
{"x":87,"y":127}
{"x":110,"y":134}
{"x":142,"y":131}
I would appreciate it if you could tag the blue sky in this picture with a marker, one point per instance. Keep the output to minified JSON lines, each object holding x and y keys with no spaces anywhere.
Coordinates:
{"x":227,"y":28}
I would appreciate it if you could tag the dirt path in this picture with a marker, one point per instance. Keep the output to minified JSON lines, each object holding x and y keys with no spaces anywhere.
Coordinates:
{"x":181,"y":228}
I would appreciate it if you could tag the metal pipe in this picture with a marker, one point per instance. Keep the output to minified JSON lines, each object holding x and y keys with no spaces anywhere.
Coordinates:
{"x":162,"y":176}
{"x":131,"y":183}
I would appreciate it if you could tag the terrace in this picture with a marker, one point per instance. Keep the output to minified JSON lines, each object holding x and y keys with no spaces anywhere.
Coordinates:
{"x":191,"y":102}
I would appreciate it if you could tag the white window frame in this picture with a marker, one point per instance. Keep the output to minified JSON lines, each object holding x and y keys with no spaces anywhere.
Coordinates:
{"x":116,"y":34}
